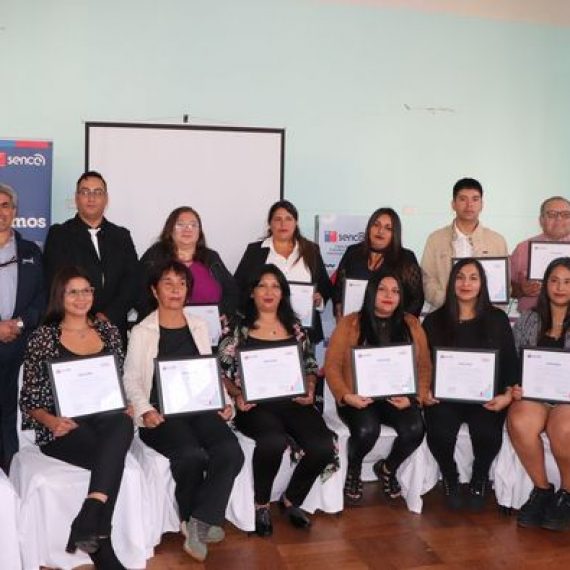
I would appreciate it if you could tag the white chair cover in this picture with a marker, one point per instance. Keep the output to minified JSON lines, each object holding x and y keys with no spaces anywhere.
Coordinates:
{"x":9,"y":544}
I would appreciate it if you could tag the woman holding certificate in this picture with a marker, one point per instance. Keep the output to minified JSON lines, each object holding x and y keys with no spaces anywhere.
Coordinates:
{"x":97,"y":442}
{"x":298,"y":258}
{"x":273,"y":356}
{"x":475,"y":364}
{"x":182,"y":238}
{"x":380,"y":249}
{"x":380,"y":324}
{"x":204,"y":454}
{"x":546,"y":328}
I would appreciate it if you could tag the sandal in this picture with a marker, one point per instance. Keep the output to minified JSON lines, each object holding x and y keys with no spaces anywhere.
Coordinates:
{"x":390,"y":484}
{"x":353,"y":485}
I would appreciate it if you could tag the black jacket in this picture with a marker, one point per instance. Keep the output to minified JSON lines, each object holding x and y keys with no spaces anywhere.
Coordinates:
{"x":157,"y":253}
{"x":30,"y":296}
{"x":255,"y":257}
{"x":114,"y":276}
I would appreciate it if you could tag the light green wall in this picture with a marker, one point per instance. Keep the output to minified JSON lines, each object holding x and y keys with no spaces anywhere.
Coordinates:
{"x":381,"y":107}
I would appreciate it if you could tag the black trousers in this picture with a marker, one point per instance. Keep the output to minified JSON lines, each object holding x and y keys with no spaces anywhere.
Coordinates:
{"x":364,"y":426}
{"x":205,"y":458}
{"x":9,"y":370}
{"x":443,"y":421}
{"x":99,"y":444}
{"x":268,"y":424}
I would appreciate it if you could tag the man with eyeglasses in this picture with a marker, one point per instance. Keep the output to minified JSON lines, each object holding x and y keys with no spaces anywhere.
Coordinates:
{"x":104,"y":250}
{"x":22,"y":302}
{"x":554,"y":220}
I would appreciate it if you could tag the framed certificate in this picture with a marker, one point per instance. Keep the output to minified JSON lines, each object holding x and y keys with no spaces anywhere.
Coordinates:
{"x":546,"y":375}
{"x":272,"y":373}
{"x":385,"y":371}
{"x":85,"y":386}
{"x":210,"y":314}
{"x":188,"y":385}
{"x":302,"y":301}
{"x":353,"y":295}
{"x":497,"y":273}
{"x":465,"y":375}
{"x":541,"y":253}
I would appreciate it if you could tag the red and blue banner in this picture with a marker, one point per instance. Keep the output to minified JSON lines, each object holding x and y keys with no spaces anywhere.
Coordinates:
{"x":26,"y":166}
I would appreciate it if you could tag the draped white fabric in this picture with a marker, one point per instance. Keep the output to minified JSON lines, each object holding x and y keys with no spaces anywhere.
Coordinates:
{"x":9,"y":545}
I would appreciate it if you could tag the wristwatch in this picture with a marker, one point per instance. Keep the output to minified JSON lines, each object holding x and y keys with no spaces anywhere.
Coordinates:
{"x":20,"y":323}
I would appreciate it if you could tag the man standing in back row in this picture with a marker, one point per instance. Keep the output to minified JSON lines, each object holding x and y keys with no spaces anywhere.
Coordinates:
{"x":464,"y":237}
{"x":105,"y":251}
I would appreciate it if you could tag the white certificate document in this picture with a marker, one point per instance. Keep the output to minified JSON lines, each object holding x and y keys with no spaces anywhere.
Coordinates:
{"x":465,"y":375}
{"x":86,"y":386}
{"x":302,"y":301}
{"x":353,"y":295}
{"x":546,"y":375}
{"x":272,"y":373}
{"x":210,"y":314}
{"x":541,"y":253}
{"x":381,"y":372}
{"x":497,"y":274}
{"x":189,"y":385}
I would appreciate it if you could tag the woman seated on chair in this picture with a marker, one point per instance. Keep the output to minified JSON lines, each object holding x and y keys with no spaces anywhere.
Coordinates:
{"x":468,"y":320}
{"x":270,"y":321}
{"x":381,"y":322}
{"x":204,"y":454}
{"x":98,"y":442}
{"x":548,"y":326}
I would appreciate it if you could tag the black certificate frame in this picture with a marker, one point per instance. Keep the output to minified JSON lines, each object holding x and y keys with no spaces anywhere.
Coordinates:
{"x":344,"y":287}
{"x":525,"y":349}
{"x":530,"y":250}
{"x":160,"y":390}
{"x":72,"y":359}
{"x":490,"y":351}
{"x":314,"y":286}
{"x":503,"y":300}
{"x":244,"y":351}
{"x":357,"y":349}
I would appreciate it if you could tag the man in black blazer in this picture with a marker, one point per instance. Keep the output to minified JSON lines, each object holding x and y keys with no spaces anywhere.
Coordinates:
{"x":105,"y":251}
{"x":22,"y":302}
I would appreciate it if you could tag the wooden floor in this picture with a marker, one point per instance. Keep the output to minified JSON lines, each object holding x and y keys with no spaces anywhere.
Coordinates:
{"x":382,"y":535}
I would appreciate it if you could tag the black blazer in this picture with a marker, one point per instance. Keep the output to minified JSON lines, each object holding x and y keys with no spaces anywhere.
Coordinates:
{"x":30,"y":295}
{"x":354,"y":265}
{"x":114,"y":276}
{"x":156,"y":253}
{"x":255,"y":257}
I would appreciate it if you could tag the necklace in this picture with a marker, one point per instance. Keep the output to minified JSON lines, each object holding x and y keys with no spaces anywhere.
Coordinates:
{"x":81,"y":333}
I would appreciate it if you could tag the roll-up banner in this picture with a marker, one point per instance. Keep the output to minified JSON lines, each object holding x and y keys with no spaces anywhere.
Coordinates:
{"x":26,"y":166}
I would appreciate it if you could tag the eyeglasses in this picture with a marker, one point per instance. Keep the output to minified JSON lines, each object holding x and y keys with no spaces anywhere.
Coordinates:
{"x":76,"y":293}
{"x":553,"y":214}
{"x":186,"y":226}
{"x":87,"y":192}
{"x":9,"y":262}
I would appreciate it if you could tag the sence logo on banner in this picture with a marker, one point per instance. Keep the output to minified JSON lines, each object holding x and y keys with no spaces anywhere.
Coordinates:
{"x":36,"y":159}
{"x":332,"y":236}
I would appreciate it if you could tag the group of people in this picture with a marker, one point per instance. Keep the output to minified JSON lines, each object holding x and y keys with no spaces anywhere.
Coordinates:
{"x":91,"y":270}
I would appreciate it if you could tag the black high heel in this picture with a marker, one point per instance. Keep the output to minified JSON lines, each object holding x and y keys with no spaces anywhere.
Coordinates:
{"x":105,"y":558}
{"x":84,"y":533}
{"x":297,"y":517}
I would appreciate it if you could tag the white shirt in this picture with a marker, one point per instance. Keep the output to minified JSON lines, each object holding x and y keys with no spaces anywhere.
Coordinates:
{"x":462,"y":243}
{"x":292,"y":267}
{"x":8,"y":279}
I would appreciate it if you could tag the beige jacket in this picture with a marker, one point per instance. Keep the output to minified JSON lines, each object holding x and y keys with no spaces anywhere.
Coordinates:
{"x":438,"y":252}
{"x":338,"y":359}
{"x":143,"y":349}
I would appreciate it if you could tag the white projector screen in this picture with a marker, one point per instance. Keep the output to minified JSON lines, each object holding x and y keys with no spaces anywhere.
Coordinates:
{"x":229,"y":175}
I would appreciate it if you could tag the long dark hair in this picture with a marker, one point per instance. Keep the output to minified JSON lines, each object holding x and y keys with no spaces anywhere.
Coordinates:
{"x":159,"y":270}
{"x":370,"y":333}
{"x":543,"y":302}
{"x":393,"y":252}
{"x":166,"y":240}
{"x":55,"y":311}
{"x":285,"y":312}
{"x":448,"y":315}
{"x":307,"y":249}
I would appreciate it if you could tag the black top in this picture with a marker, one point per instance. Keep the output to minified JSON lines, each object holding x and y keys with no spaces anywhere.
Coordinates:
{"x":354,"y":265}
{"x":255,"y":257}
{"x":489,"y":331}
{"x":551,"y":342}
{"x":251,"y":342}
{"x":157,"y":253}
{"x":173,"y":343}
{"x":64,"y":352}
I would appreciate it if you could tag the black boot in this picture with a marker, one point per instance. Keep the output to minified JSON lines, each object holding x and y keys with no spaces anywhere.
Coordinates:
{"x":85,"y":528}
{"x":105,"y":557}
